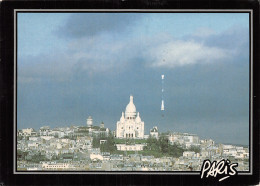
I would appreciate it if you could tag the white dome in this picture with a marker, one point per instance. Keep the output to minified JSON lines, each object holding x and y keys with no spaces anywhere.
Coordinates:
{"x":130,"y":108}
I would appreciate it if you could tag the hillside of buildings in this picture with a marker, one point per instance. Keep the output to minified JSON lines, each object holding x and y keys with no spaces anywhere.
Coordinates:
{"x":97,"y":148}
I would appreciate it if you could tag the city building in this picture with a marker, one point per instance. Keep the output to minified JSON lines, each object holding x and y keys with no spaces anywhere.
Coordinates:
{"x":89,"y":121}
{"x":55,"y":166}
{"x":184,"y":139}
{"x":102,"y":125}
{"x":44,"y":131}
{"x":130,"y":124}
{"x":134,"y":147}
{"x":28,"y":132}
{"x":154,"y":132}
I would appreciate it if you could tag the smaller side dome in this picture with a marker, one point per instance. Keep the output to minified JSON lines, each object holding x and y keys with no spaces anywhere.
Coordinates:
{"x":138,"y":119}
{"x":122,"y":119}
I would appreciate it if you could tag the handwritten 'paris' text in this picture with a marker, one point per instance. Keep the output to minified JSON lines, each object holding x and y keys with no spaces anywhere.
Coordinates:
{"x":223,"y":167}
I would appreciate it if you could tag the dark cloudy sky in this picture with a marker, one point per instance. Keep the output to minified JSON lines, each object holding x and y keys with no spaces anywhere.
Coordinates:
{"x":72,"y":65}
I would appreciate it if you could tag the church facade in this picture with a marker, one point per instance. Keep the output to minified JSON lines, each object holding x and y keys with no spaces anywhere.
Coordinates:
{"x":130,"y":124}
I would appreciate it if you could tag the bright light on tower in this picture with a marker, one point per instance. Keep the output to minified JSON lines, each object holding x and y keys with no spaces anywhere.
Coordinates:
{"x":162,"y":105}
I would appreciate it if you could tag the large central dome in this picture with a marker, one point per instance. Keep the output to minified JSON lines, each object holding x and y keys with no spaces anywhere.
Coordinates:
{"x":130,"y":109}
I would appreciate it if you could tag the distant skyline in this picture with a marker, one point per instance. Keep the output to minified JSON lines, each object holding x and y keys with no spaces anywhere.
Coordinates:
{"x":73,"y":65}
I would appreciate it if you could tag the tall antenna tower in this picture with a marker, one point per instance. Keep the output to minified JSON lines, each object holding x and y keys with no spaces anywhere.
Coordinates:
{"x":162,"y":104}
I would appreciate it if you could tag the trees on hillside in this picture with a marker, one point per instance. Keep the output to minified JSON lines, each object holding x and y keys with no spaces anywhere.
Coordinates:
{"x":158,"y":148}
{"x":162,"y":145}
{"x":107,"y":146}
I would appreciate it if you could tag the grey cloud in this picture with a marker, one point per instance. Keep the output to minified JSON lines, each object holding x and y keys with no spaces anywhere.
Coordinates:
{"x":90,"y":24}
{"x":87,"y":56}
